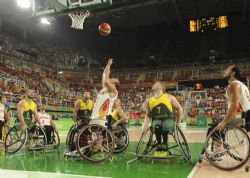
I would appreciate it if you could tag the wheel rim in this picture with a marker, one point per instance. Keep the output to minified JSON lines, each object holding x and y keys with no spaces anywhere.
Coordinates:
{"x":55,"y":139}
{"x":228,"y":149}
{"x":39,"y":140}
{"x":183,"y":144}
{"x":15,"y":140}
{"x":95,"y":143}
{"x":144,"y":144}
{"x":122,"y":140}
{"x":69,"y":133}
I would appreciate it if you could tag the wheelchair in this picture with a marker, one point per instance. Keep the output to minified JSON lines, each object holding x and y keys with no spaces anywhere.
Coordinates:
{"x":96,"y":143}
{"x":177,"y":147}
{"x":228,"y":149}
{"x":34,"y":139}
{"x":121,"y":137}
{"x":54,"y":140}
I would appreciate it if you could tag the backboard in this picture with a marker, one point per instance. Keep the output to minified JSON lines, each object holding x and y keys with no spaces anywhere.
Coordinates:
{"x":51,"y":8}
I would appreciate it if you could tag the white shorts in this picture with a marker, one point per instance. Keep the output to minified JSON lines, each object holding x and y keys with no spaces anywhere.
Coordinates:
{"x":99,"y":121}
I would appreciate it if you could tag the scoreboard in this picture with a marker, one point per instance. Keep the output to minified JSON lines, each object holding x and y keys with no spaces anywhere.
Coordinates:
{"x":208,"y":24}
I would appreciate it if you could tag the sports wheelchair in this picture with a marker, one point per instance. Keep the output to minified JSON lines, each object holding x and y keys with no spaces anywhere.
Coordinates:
{"x":177,"y":147}
{"x":97,"y":142}
{"x":34,"y":139}
{"x":228,"y":149}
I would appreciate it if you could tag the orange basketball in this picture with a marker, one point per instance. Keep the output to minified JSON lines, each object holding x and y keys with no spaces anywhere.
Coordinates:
{"x":104,"y":29}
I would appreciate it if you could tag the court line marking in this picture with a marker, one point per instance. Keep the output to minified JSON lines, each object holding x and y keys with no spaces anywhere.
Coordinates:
{"x":190,"y":175}
{"x":51,"y":173}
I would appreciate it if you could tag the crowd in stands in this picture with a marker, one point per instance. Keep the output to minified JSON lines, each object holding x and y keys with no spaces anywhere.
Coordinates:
{"x":14,"y":83}
{"x":57,"y":56}
{"x":134,"y":98}
{"x":168,"y":52}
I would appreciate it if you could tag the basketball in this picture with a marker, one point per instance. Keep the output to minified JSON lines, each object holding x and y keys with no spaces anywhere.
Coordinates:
{"x":104,"y":29}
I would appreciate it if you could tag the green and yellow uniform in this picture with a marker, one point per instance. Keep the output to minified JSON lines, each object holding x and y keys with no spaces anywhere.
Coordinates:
{"x":29,"y":109}
{"x":85,"y":110}
{"x":114,"y":117}
{"x":162,"y":112}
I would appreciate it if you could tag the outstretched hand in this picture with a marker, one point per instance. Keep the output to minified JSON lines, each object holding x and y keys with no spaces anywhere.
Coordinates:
{"x":110,"y":61}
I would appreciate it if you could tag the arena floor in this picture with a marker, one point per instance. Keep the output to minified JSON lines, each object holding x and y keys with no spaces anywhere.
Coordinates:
{"x":52,"y":164}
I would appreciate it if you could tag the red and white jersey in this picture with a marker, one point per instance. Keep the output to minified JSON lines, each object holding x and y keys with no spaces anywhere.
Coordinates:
{"x":103,"y":105}
{"x":44,"y":118}
{"x":244,"y":97}
{"x":1,"y":112}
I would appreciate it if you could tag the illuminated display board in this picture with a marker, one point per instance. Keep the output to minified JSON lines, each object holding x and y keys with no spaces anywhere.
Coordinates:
{"x":208,"y":24}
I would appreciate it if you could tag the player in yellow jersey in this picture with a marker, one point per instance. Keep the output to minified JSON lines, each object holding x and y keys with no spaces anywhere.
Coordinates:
{"x":160,"y":109}
{"x":81,"y":117}
{"x":118,"y":117}
{"x":27,"y":109}
{"x":83,"y":109}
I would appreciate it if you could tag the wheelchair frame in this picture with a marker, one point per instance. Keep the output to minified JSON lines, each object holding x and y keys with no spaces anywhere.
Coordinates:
{"x":151,"y":145}
{"x":225,"y":148}
{"x":82,"y":136}
{"x":24,"y":137}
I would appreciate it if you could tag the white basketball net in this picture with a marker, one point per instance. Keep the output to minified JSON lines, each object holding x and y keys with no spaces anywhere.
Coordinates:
{"x":78,"y":19}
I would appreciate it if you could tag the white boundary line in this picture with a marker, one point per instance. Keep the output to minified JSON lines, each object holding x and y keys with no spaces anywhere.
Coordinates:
{"x":50,"y":173}
{"x":190,"y":175}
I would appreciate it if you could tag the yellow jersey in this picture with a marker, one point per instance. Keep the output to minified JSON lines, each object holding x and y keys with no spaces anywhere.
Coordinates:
{"x":29,"y":109}
{"x":115,"y":116}
{"x":161,"y":108}
{"x":85,"y":109}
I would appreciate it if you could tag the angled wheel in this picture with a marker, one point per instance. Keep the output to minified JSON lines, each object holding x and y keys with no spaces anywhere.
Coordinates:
{"x":55,"y":139}
{"x":146,"y":144}
{"x":95,"y":143}
{"x":228,"y":149}
{"x":15,"y":139}
{"x":37,"y":139}
{"x":69,"y":134}
{"x":183,"y":144}
{"x":121,"y":140}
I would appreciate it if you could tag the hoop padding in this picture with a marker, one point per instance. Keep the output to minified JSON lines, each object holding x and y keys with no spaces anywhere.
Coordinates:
{"x":78,"y":19}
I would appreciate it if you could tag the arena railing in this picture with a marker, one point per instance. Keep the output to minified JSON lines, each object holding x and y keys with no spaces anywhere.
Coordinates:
{"x":16,"y":98}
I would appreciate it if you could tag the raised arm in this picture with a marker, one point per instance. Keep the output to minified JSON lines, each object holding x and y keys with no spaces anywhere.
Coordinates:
{"x":106,"y":81}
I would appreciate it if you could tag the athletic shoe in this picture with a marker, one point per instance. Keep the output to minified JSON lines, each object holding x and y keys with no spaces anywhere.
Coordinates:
{"x":164,"y":148}
{"x":71,"y":153}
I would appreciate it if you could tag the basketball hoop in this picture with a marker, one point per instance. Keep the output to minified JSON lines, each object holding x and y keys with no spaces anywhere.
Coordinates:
{"x":78,"y":19}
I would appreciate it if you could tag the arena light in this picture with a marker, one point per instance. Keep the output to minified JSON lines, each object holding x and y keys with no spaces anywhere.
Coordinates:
{"x":23,"y":3}
{"x":60,"y":72}
{"x":45,"y":21}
